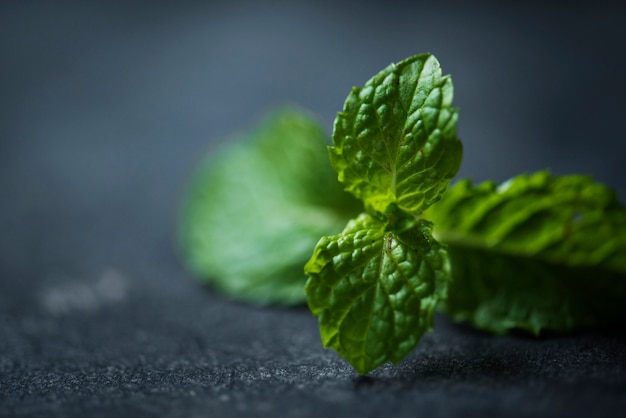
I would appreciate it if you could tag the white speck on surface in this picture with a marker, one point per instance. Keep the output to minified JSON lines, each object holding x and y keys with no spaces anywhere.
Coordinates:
{"x":112,"y":286}
{"x":71,"y":294}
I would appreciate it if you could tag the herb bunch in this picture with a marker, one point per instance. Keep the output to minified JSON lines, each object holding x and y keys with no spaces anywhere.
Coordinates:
{"x":536,"y":253}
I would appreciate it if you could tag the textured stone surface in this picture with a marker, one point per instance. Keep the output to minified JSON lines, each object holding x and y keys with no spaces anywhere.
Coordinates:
{"x":104,"y":110}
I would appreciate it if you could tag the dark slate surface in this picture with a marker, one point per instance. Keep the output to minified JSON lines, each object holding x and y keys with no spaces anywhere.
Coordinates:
{"x":106,"y":107}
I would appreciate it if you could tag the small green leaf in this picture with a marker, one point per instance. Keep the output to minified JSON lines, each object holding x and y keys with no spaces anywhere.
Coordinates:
{"x":256,"y":208}
{"x":538,"y":252}
{"x":395,"y":141}
{"x":374,"y":290}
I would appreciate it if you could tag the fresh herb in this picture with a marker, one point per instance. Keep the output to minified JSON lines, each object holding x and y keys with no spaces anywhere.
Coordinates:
{"x":536,"y":253}
{"x":256,"y":208}
{"x":374,"y":287}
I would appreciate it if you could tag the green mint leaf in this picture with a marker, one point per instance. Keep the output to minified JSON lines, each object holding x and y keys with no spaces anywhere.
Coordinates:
{"x":537,"y":252}
{"x":374,"y":290}
{"x":256,"y":208}
{"x":395,"y":141}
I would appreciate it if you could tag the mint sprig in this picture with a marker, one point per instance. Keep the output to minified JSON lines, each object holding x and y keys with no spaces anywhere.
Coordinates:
{"x":374,"y":287}
{"x":536,"y":253}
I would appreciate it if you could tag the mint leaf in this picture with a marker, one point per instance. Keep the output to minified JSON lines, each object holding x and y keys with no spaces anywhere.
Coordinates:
{"x":395,"y":141}
{"x":374,"y":290}
{"x":256,"y":208}
{"x":537,"y":253}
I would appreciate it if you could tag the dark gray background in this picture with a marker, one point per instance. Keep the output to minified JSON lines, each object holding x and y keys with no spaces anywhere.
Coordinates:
{"x":106,"y":107}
